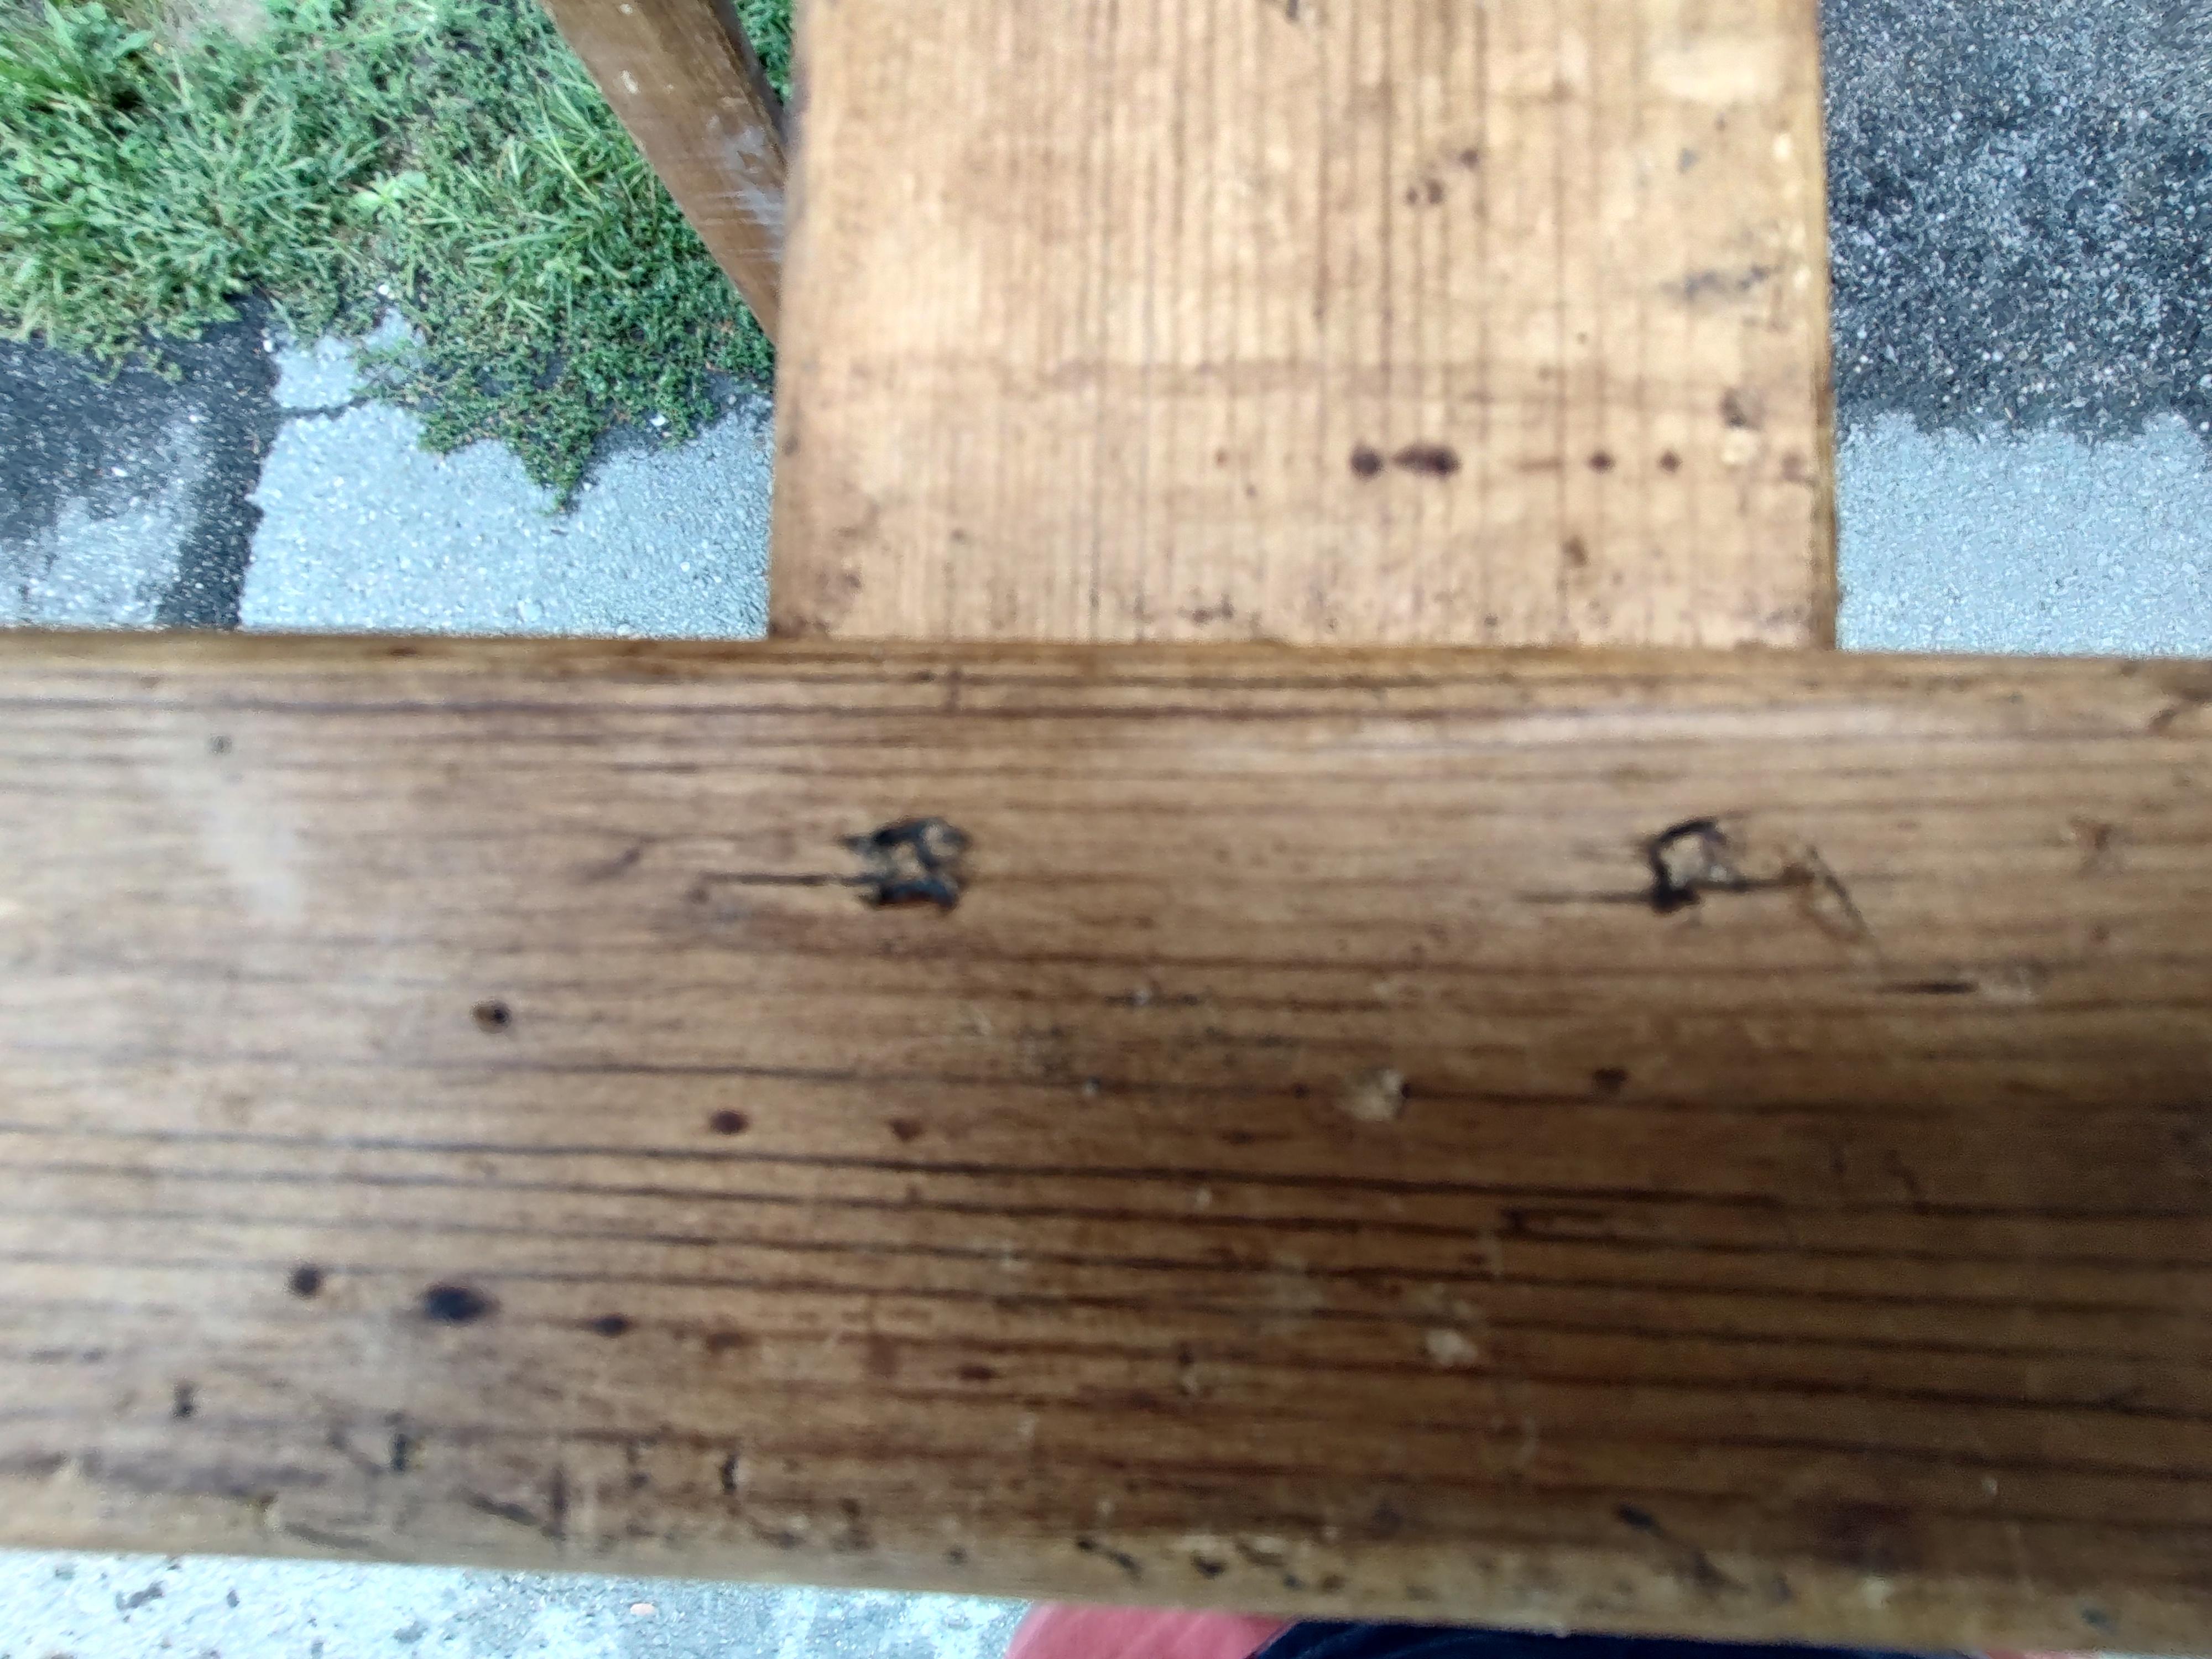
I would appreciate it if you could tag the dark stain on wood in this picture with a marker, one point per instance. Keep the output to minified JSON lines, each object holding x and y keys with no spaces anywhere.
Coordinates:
{"x":1121,"y":1558}
{"x":1935,"y":988}
{"x":1873,"y":1538}
{"x":455,"y":1304}
{"x":1744,"y":408}
{"x":1427,"y":460}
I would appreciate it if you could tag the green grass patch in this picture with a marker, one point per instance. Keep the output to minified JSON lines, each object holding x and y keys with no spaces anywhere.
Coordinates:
{"x":446,"y":158}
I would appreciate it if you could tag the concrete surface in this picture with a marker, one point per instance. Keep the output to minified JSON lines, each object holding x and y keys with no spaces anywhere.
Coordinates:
{"x":2034,"y":542}
{"x":358,"y":522}
{"x":362,"y":527}
{"x":94,"y":1607}
{"x":2022,"y":230}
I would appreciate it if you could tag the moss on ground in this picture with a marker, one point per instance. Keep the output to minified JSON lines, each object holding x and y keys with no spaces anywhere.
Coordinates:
{"x":448,"y":158}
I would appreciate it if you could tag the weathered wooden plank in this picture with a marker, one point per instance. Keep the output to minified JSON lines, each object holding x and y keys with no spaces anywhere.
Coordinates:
{"x":687,"y":84}
{"x":1404,"y":321}
{"x":456,"y":1103}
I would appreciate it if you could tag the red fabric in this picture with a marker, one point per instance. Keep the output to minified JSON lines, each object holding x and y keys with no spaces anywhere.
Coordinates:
{"x":1074,"y":1632}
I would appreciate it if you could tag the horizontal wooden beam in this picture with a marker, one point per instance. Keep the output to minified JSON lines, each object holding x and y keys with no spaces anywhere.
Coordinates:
{"x":1689,"y":1143}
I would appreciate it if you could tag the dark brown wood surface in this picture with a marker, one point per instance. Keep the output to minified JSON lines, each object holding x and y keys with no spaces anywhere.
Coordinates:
{"x":687,"y":84}
{"x":1695,"y":1143}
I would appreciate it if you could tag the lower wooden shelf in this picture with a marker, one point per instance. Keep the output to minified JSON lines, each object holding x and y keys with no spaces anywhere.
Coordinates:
{"x":1701,"y":1142}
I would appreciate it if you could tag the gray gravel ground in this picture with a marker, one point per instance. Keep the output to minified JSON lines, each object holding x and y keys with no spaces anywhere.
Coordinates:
{"x":2020,"y":193}
{"x":125,"y":1607}
{"x":2033,"y":541}
{"x":2022,"y":205}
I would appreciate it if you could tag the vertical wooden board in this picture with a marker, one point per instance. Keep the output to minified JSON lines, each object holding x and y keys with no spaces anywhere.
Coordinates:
{"x":1414,"y":321}
{"x":686,"y":83}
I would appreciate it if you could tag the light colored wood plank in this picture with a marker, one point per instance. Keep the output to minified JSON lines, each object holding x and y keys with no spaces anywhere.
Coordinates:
{"x":455,"y":1105}
{"x":687,"y":85}
{"x":1309,"y":320}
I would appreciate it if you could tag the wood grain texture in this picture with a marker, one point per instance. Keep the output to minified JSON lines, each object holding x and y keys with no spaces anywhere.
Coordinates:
{"x":457,"y":1102}
{"x":687,"y":85}
{"x":1353,"y":321}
